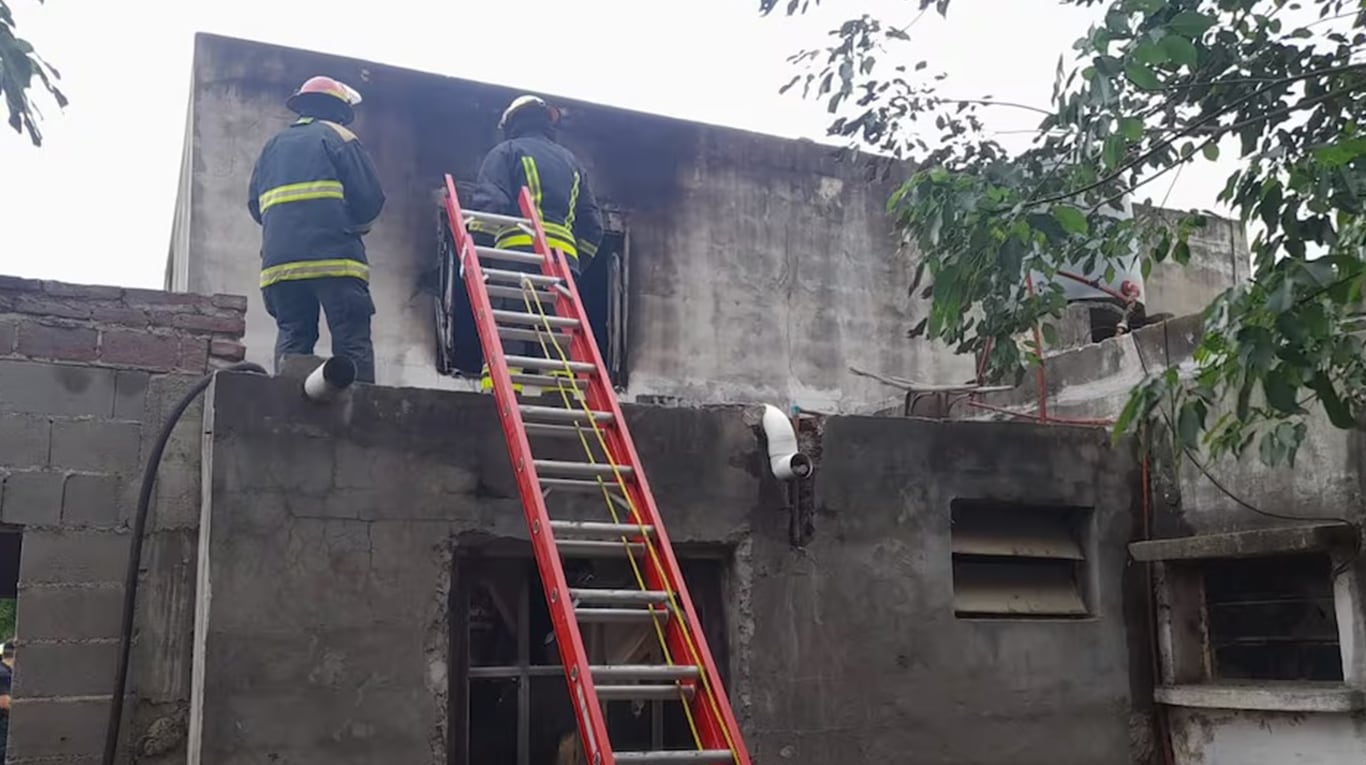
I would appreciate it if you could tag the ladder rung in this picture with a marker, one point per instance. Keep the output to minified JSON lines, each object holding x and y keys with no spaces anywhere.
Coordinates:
{"x":555,"y":414}
{"x":533,"y":320}
{"x":531,"y":362}
{"x":612,"y":615}
{"x":516,"y":277}
{"x":531,"y":335}
{"x":619,"y":597}
{"x":595,"y":529}
{"x":676,"y":757}
{"x":515,"y":293}
{"x":581,"y":469}
{"x":580,"y":484}
{"x":502,"y":220}
{"x":551,"y":383}
{"x":643,"y":672}
{"x":644,"y":692}
{"x":591,"y":548}
{"x":552,"y":431}
{"x":508,"y":256}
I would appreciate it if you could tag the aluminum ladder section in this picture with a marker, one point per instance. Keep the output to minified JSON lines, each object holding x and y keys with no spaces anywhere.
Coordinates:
{"x":579,"y":404}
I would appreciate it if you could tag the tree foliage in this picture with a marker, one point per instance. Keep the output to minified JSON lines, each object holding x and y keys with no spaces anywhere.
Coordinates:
{"x":1152,"y":86}
{"x":19,"y":66}
{"x":6,"y":619}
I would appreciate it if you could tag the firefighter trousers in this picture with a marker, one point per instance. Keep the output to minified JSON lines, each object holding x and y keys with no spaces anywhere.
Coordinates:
{"x":345,"y":302}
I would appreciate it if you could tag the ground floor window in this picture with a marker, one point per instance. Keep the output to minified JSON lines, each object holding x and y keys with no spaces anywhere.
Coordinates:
{"x":508,"y":698}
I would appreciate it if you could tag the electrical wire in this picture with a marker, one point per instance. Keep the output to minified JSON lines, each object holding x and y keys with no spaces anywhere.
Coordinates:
{"x":130,"y":580}
{"x":1243,"y":503}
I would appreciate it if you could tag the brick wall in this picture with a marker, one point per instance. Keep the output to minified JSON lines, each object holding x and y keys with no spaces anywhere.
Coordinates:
{"x":117,"y":327}
{"x":87,"y":375}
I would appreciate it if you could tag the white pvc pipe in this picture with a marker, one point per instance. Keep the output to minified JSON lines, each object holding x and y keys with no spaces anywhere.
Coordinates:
{"x":784,"y":458}
{"x":330,"y":378}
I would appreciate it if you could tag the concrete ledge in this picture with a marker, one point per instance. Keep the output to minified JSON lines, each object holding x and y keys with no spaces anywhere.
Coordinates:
{"x":1264,"y":696}
{"x":1321,"y":537}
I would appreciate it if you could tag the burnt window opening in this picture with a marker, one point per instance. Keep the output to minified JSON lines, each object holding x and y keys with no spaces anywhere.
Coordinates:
{"x":508,"y":698}
{"x":602,"y":288}
{"x":1020,"y":561}
{"x":1272,"y":618}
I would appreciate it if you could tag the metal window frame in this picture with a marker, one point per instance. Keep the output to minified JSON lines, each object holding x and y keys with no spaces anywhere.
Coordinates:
{"x":467,"y":569}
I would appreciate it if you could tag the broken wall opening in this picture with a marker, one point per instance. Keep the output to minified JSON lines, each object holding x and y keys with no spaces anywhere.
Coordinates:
{"x":508,"y":698}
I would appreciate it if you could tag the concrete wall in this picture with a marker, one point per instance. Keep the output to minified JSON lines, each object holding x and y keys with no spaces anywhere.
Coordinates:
{"x":330,"y":532}
{"x":72,"y":440}
{"x":1204,"y":736}
{"x":1325,"y":483}
{"x":1220,"y":259}
{"x":760,"y":267}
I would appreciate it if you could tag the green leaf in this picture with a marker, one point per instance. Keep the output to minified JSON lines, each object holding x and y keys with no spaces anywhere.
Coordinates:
{"x":1142,"y":76}
{"x":1338,"y":411}
{"x":1189,"y":424}
{"x":1071,"y":219}
{"x":1342,"y":152}
{"x":1211,"y":151}
{"x":1190,"y":24}
{"x":1050,"y":334}
{"x":1270,"y":449}
{"x":1181,"y":253}
{"x":1113,"y":152}
{"x":1280,"y":385}
{"x":1179,"y":50}
{"x":1131,"y":128}
{"x":1151,"y":53}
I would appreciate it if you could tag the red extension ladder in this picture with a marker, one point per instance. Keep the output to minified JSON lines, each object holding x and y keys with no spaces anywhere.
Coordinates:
{"x":580,"y":405}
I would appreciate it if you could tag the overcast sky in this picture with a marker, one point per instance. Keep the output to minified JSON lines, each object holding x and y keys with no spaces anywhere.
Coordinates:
{"x":94,"y":204}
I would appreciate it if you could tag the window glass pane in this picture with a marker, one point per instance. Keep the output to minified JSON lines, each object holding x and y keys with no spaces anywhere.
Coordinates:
{"x":493,"y":721}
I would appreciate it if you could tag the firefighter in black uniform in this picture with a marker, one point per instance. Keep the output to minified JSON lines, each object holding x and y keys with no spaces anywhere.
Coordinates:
{"x":530,"y":157}
{"x":315,"y":193}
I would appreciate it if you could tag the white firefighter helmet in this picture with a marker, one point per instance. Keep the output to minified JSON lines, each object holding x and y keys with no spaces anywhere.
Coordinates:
{"x":522,"y":103}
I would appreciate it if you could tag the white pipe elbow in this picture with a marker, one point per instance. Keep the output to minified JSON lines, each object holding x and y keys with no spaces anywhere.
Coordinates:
{"x":330,"y":379}
{"x":784,"y":458}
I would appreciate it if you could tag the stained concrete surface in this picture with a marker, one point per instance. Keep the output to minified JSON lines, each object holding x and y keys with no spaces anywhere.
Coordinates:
{"x":322,"y":628}
{"x":760,"y":268}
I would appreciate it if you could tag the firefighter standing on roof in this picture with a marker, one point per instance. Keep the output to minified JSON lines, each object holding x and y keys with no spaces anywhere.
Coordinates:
{"x":530,"y":157}
{"x":315,"y":193}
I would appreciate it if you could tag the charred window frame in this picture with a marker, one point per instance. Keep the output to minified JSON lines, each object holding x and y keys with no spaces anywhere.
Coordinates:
{"x":508,"y":702}
{"x":1266,"y":618}
{"x":603,"y":286}
{"x":1022,"y":561}
{"x":1272,"y":619}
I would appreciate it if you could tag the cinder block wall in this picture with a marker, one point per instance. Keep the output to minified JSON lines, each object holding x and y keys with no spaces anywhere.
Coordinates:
{"x":86,"y":376}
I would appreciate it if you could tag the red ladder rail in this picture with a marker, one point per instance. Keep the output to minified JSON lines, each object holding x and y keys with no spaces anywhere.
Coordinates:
{"x":668,"y":606}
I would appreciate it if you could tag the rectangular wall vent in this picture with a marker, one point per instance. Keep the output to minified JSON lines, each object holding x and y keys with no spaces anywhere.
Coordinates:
{"x":1020,"y":561}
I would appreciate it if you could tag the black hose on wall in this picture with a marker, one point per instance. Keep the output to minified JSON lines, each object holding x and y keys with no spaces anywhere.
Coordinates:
{"x":130,"y":581}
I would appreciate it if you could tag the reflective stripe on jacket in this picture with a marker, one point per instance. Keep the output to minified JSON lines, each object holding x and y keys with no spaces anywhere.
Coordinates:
{"x":557,"y":182}
{"x":315,"y":193}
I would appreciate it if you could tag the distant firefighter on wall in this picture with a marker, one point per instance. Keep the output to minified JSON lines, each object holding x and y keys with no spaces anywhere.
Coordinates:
{"x":315,"y":193}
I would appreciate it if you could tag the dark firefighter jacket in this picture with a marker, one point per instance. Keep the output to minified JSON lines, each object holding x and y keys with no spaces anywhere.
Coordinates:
{"x":559,"y":186}
{"x":315,"y":193}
